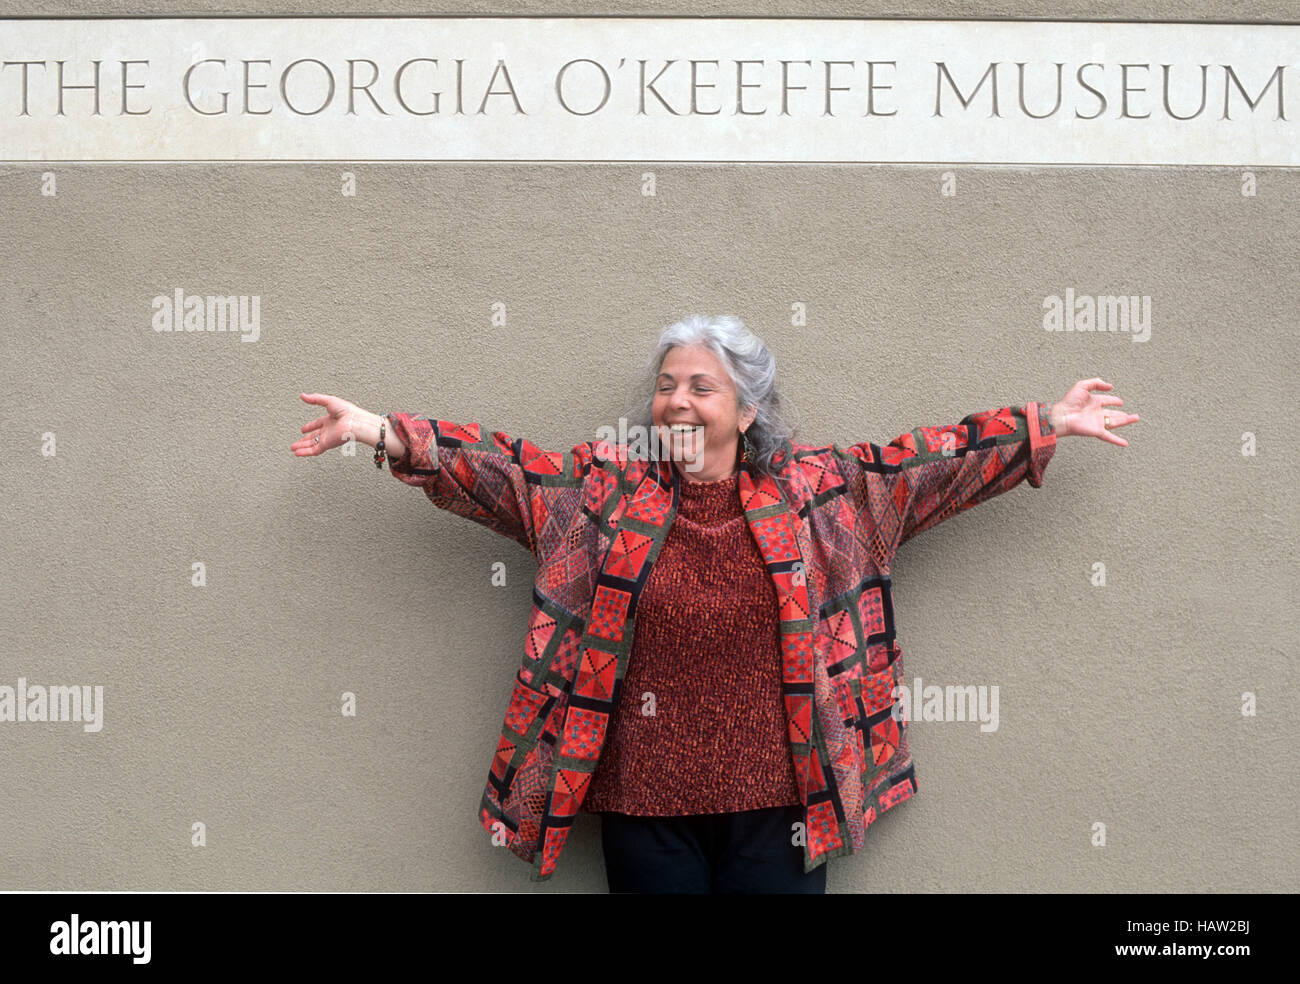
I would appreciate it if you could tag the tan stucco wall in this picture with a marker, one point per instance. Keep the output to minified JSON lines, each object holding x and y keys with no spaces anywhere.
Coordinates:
{"x":1118,"y":704}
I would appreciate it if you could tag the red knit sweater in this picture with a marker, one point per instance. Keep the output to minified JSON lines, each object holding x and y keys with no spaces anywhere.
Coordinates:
{"x":712,"y":738}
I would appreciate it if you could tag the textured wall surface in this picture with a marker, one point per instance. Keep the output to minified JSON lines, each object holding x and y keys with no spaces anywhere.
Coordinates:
{"x":1119,"y":704}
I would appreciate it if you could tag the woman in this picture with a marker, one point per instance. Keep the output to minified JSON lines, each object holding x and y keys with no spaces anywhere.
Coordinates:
{"x":748,"y":729}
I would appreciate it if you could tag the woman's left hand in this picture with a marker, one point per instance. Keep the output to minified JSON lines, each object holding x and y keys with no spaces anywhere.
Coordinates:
{"x":1083,"y":412}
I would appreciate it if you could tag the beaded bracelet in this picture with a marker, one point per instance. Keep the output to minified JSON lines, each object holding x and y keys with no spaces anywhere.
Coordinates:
{"x":379,"y":445}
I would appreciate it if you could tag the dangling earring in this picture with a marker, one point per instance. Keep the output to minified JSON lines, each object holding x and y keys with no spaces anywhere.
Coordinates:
{"x":746,"y":449}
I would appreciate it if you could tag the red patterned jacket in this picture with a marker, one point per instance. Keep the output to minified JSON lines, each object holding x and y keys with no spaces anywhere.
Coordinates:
{"x":828,"y":527}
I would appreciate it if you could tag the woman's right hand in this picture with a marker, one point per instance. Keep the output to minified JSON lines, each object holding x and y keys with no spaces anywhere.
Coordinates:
{"x":339,"y":425}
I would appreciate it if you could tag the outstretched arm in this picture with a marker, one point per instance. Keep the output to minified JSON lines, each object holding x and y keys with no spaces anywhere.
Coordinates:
{"x":504,"y":483}
{"x":507,"y":484}
{"x":919,"y":479}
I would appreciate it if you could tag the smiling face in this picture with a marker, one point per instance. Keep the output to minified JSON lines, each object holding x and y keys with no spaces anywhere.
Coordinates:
{"x":694,"y":388}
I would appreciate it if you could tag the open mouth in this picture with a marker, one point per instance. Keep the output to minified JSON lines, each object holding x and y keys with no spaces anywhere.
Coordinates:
{"x":683,"y":439}
{"x":686,"y":435}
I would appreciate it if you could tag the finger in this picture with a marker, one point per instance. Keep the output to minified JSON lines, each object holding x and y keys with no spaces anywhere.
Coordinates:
{"x":1098,"y":384}
{"x":1110,"y":401}
{"x":1105,"y":433}
{"x":314,"y":425}
{"x":318,"y":398}
{"x":310,"y":442}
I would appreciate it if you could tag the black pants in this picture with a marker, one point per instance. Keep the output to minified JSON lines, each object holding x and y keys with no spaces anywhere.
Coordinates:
{"x":750,"y":851}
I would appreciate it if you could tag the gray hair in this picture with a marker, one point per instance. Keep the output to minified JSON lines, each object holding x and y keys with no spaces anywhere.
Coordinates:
{"x":752,"y":369}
